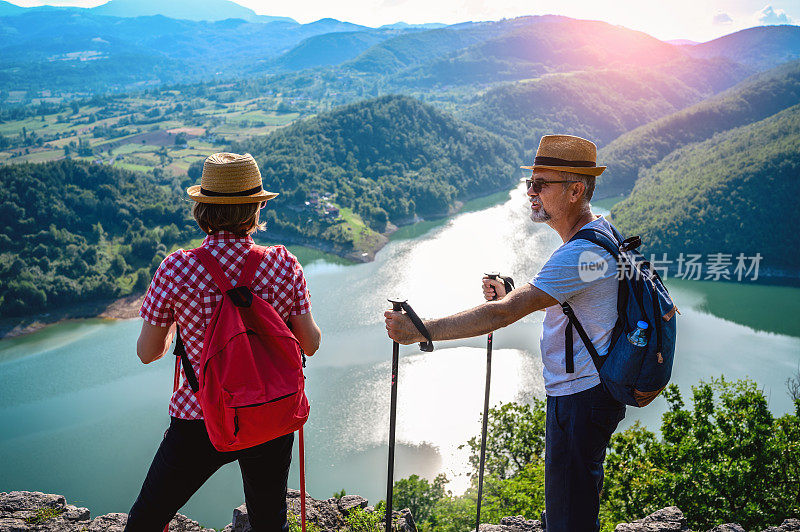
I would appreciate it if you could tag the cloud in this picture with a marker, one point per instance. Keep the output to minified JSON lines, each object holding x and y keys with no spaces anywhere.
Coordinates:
{"x":722,"y":19}
{"x":768,"y":16}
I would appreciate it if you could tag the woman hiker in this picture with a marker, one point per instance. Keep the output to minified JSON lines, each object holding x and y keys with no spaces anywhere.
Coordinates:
{"x":228,"y":202}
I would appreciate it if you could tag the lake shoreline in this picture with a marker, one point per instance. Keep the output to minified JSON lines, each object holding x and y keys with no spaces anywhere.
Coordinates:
{"x":122,"y":308}
{"x":128,"y":307}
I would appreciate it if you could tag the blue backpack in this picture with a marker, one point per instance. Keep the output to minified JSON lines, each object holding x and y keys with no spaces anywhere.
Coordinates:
{"x":633,"y":374}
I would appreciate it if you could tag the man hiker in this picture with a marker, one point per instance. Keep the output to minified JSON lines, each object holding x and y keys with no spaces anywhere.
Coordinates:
{"x":581,"y":414}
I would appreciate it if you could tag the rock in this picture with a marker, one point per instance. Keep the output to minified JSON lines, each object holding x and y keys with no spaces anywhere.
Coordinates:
{"x":328,"y":515}
{"x":513,"y":524}
{"x":789,"y":525}
{"x":23,"y":511}
{"x":111,"y":522}
{"x":405,"y":521}
{"x":728,"y":527}
{"x":350,"y":502}
{"x":669,"y":519}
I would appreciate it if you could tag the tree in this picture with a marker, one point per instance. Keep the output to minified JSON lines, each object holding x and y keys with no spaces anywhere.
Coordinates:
{"x":418,"y":495}
{"x":23,"y":297}
{"x":515,"y":438}
{"x":727,"y":459}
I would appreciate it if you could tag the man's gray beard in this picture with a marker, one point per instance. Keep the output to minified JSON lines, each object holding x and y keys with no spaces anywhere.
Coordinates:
{"x":541,"y":215}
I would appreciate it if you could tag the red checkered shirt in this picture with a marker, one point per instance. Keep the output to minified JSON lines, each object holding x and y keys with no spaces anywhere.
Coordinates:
{"x":183,"y":291}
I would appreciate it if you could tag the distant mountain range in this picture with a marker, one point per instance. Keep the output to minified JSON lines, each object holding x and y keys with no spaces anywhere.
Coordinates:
{"x":761,"y":47}
{"x":211,"y":10}
{"x":123,"y":45}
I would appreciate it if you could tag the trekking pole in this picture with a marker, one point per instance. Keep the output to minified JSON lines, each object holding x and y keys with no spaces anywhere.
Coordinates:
{"x":302,"y":453}
{"x":509,"y":283}
{"x":399,"y":305}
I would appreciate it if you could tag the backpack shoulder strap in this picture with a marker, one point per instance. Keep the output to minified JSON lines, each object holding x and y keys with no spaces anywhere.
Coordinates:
{"x":600,"y":238}
{"x":254,"y":259}
{"x":212,"y":267}
{"x":610,"y":244}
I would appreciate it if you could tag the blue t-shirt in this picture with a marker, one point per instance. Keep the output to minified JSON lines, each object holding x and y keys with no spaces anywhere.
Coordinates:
{"x":584,"y":275}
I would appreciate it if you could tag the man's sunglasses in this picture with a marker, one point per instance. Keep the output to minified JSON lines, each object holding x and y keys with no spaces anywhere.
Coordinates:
{"x":538,"y":184}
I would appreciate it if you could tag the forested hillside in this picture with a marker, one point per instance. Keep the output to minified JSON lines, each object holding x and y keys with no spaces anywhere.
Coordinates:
{"x":599,"y":105}
{"x":734,"y":193}
{"x":754,"y":99}
{"x":405,"y":51}
{"x":73,"y":232}
{"x":391,"y":158}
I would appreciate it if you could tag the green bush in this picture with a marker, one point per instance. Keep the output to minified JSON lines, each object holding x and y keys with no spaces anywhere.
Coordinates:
{"x":727,"y":459}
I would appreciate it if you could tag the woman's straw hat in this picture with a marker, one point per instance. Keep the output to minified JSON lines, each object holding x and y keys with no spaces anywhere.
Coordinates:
{"x":230,"y":178}
{"x":567,"y":154}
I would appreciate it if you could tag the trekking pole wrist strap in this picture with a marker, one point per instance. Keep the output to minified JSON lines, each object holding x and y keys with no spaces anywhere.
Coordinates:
{"x":508,"y":283}
{"x":427,"y":345}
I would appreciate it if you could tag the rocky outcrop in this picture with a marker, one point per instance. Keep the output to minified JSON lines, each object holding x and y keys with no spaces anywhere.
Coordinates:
{"x":328,"y":515}
{"x":514,"y":524}
{"x":665,"y":520}
{"x":672,"y":519}
{"x":23,"y":511}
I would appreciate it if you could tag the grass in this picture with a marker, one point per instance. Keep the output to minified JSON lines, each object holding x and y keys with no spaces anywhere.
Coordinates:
{"x":133,"y":167}
{"x":43,"y":514}
{"x":363,"y":236}
{"x":295,"y":524}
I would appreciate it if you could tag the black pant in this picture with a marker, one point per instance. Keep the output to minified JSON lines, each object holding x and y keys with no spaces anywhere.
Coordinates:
{"x":578,"y":429}
{"x":186,"y":459}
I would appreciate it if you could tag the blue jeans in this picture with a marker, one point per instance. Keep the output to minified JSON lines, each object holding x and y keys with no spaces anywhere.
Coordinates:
{"x":578,"y":429}
{"x":186,"y":459}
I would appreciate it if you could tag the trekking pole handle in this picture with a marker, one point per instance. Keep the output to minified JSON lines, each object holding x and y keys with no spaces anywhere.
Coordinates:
{"x":402,"y":305}
{"x":508,"y":282}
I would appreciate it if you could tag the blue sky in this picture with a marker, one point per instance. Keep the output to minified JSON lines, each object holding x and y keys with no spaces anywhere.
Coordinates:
{"x":698,"y":20}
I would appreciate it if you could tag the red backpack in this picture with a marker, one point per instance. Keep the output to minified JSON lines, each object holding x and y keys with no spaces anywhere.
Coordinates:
{"x":251,"y":386}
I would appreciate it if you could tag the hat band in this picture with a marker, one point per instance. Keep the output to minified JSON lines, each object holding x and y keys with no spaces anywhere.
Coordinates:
{"x":555,"y":161}
{"x":249,"y":192}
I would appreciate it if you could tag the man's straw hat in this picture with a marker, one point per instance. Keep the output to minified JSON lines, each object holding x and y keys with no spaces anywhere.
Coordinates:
{"x":230,"y":178}
{"x":567,"y":154}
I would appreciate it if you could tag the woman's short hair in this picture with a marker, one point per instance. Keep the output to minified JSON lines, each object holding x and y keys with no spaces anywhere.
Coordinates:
{"x":240,"y":219}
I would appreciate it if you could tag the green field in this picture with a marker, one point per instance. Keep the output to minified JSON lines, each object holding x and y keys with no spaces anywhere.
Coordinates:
{"x":132,"y":132}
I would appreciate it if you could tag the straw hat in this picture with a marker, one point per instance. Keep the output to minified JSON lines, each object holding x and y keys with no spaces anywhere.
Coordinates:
{"x":567,"y":154}
{"x":230,"y":178}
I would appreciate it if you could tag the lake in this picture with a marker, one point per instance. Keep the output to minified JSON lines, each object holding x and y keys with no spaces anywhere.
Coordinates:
{"x":82,"y":417}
